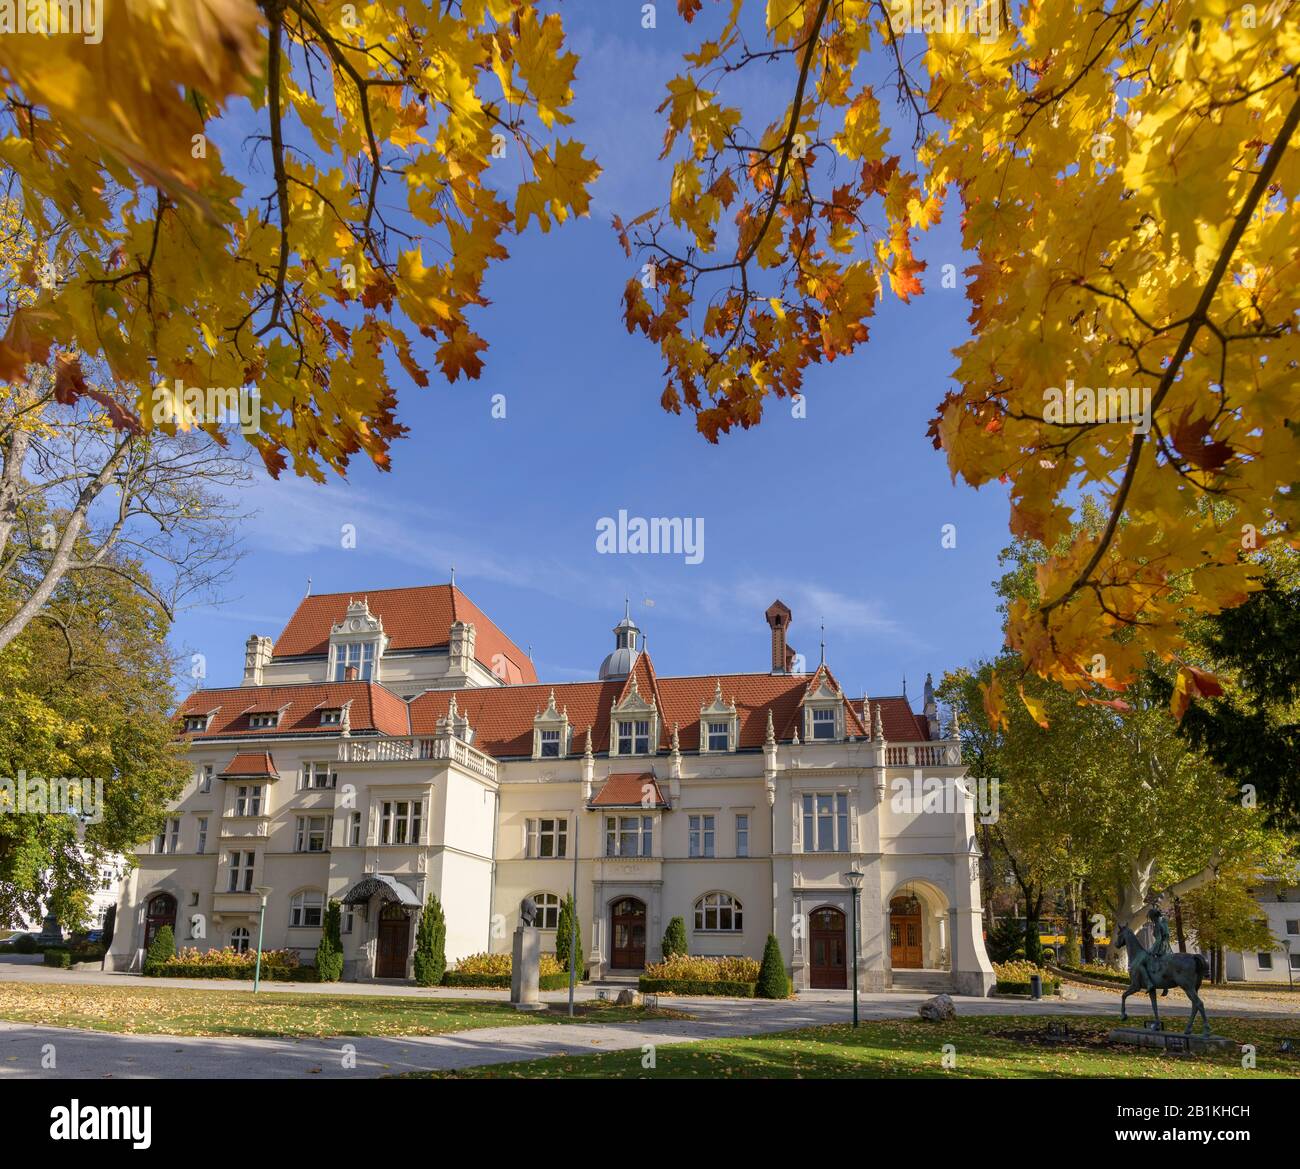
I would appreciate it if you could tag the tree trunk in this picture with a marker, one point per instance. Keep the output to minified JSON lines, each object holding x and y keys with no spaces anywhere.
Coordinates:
{"x":1178,"y":926}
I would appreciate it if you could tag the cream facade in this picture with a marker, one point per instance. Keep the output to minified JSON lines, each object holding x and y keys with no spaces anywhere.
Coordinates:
{"x":743,"y":803}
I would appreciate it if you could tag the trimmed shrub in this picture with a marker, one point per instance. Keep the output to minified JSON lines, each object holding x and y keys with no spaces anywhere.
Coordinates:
{"x":57,"y":957}
{"x":329,"y":954}
{"x":1013,"y":977}
{"x":556,"y":980}
{"x":431,"y":944}
{"x":772,"y":980}
{"x":26,"y":945}
{"x":162,"y":949}
{"x":567,"y":923}
{"x":675,"y":938}
{"x":697,"y":968}
{"x":735,"y":990}
{"x":493,"y":970}
{"x":277,"y":965}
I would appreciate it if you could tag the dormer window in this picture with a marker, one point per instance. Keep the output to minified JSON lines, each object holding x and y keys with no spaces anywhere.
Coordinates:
{"x":551,"y":731}
{"x":719,"y":736}
{"x":264,"y":719}
{"x":356,"y":645}
{"x":719,"y":725}
{"x":331,"y":717}
{"x":823,"y":724}
{"x":550,"y":744}
{"x":633,"y":737}
{"x":354,"y":662}
{"x":196,"y":722}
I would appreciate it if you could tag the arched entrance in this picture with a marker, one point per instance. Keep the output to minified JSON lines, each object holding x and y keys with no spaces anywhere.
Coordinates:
{"x":394,"y":942}
{"x":627,"y":934}
{"x":160,"y":911}
{"x":905,"y":949}
{"x":827,"y":942}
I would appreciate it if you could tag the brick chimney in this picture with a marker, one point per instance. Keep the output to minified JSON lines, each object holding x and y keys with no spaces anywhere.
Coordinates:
{"x":778,"y":620}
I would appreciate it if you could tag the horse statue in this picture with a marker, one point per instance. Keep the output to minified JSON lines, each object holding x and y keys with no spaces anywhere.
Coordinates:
{"x":1154,"y":971}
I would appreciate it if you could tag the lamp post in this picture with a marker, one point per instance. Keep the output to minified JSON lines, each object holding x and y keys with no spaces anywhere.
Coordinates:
{"x":262,"y":891}
{"x":1290,"y":978}
{"x":855,"y":878}
{"x":573,"y":921}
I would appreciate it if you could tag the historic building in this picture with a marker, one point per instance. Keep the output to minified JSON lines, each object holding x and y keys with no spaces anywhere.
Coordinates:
{"x":397,"y":743}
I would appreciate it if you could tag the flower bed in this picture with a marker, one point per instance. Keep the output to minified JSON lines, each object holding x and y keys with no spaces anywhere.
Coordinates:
{"x":696,"y":975}
{"x":277,"y":965}
{"x":493,"y":971}
{"x":1013,"y":978}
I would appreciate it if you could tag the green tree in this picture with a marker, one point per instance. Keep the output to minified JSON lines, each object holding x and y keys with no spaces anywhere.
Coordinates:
{"x":568,"y":924}
{"x":431,"y":944}
{"x":329,"y":954}
{"x":1224,"y":915}
{"x":160,"y":949}
{"x":773,"y":983}
{"x":85,"y":694}
{"x":675,"y":938}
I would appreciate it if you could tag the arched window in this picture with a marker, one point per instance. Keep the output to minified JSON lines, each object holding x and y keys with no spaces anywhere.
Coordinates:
{"x":239,"y":939}
{"x":306,"y":908}
{"x":718,"y":913}
{"x":548,"y":911}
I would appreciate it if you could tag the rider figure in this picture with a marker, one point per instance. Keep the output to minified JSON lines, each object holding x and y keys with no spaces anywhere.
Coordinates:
{"x":1152,"y":961}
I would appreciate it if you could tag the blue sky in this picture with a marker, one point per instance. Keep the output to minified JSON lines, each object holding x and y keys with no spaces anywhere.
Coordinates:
{"x":839,"y":513}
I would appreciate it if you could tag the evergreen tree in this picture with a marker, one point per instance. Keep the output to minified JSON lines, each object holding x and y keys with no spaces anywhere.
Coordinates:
{"x":431,"y":944}
{"x":772,"y":980}
{"x":675,"y":938}
{"x":329,"y":954}
{"x":568,"y":923}
{"x":160,"y":949}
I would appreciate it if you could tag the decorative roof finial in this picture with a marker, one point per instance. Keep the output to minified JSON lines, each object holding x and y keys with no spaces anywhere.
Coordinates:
{"x":309,"y":586}
{"x":823,"y":641}
{"x":453,"y":576}
{"x":677,"y":744}
{"x":770,"y":741}
{"x":587,"y":752}
{"x":878,"y":726}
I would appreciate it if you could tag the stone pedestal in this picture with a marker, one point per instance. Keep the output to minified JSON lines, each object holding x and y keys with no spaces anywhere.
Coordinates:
{"x":1172,"y":1040}
{"x":524,"y":966}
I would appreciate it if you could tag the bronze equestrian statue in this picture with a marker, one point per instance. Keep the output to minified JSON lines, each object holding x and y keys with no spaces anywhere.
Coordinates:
{"x":1159,"y":969}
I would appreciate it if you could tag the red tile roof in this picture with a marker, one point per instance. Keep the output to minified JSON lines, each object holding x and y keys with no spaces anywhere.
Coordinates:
{"x":628,"y":789}
{"x":373,"y":708}
{"x":900,"y":723}
{"x":251,"y":765}
{"x":414,"y":618}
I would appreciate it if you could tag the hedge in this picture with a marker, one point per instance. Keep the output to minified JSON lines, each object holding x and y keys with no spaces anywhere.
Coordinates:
{"x":734,"y":990}
{"x":1050,"y":986}
{"x":502,"y":981}
{"x":64,"y":956}
{"x":242,"y":971}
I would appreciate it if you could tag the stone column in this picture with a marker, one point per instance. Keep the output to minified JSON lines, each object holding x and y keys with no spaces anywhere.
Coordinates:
{"x":525,"y":963}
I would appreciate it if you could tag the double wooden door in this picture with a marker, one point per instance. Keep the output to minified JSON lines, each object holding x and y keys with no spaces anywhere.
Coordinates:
{"x":827,"y":940}
{"x":627,"y":934}
{"x":905,"y":934}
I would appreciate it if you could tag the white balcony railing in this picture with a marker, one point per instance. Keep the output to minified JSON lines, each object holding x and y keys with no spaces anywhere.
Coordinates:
{"x":947,"y":754}
{"x":397,"y":749}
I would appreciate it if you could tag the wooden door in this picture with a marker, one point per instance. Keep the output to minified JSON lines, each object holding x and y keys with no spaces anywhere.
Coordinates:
{"x":394,"y":942}
{"x":161,"y":912}
{"x":905,"y":933}
{"x":827,"y":941}
{"x":627,"y":934}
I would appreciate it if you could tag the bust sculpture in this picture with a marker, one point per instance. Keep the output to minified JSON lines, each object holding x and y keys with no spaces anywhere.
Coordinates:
{"x":528,"y":911}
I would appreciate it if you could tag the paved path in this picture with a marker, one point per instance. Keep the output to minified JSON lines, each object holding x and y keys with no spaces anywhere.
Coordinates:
{"x":94,"y":1054}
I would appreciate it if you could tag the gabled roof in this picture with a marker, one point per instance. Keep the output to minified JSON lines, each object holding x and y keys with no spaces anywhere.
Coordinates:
{"x":414,"y":618}
{"x":628,"y":789}
{"x":251,"y":765}
{"x":373,"y":708}
{"x":901,"y":723}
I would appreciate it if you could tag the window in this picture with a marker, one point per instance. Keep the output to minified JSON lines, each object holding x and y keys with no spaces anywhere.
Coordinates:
{"x":305,"y":909}
{"x":400,"y":823}
{"x":196,"y":722}
{"x":169,"y":839}
{"x":311,"y":834}
{"x":701,"y":835}
{"x":719,"y":736}
{"x":346,"y":915}
{"x":248,"y":800}
{"x":239,"y":939}
{"x":354,"y":833}
{"x":742,"y":833}
{"x":1292,"y":926}
{"x":202,"y":845}
{"x":359,"y":656}
{"x":331,"y":717}
{"x":547,"y":838}
{"x":629,"y":836}
{"x":205,"y":779}
{"x":241,"y":872}
{"x":826,"y":823}
{"x":318,"y":775}
{"x":265,"y":719}
{"x":550,"y":744}
{"x":718,"y":913}
{"x":634,"y":738}
{"x":1295,"y":961}
{"x":1265,"y":960}
{"x":823,"y":724}
{"x":548,"y":911}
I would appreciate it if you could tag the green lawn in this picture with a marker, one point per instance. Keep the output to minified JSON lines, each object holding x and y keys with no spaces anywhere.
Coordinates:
{"x":171,"y":1010}
{"x":1001,"y":1047}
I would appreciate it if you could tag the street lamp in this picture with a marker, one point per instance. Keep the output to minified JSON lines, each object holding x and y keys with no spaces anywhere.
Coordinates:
{"x":855,"y":877}
{"x":1286,"y":945}
{"x":263,"y":891}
